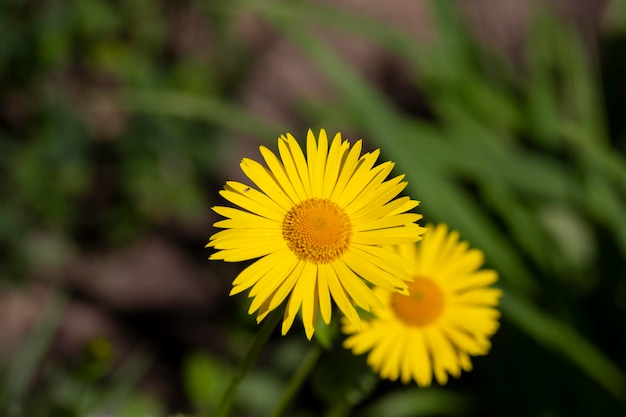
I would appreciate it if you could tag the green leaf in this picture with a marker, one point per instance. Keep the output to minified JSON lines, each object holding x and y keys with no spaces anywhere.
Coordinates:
{"x":212,"y":110}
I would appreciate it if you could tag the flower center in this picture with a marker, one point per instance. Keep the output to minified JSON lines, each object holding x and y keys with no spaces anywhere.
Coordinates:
{"x":317,"y":230}
{"x":422,"y":306}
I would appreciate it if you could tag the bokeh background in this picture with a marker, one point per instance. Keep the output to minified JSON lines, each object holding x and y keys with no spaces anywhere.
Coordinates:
{"x":120,"y":121}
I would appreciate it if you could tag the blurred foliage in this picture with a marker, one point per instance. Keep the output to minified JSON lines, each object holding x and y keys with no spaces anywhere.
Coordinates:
{"x":91,"y":385}
{"x":112,"y":124}
{"x":79,"y":156}
{"x":205,"y":379}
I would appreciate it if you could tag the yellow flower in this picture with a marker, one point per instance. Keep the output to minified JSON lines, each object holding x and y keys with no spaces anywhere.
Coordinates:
{"x":448,"y":315}
{"x":318,"y":226}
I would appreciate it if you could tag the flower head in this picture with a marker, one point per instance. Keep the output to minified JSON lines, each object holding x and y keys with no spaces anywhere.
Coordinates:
{"x":448,"y":315}
{"x":317,"y":226}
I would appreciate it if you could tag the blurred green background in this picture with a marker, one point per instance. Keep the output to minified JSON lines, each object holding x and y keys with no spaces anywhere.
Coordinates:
{"x":120,"y":121}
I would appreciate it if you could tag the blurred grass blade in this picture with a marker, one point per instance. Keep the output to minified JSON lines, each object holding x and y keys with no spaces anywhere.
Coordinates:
{"x":126,"y":377}
{"x":582,"y":101}
{"x":554,"y":333}
{"x":210,"y":110}
{"x":607,"y":206}
{"x":27,"y":359}
{"x":419,"y":402}
{"x":541,"y":93}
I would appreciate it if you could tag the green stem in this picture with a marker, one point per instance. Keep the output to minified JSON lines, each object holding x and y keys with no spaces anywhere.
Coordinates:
{"x":247,"y":361}
{"x":297,"y":380}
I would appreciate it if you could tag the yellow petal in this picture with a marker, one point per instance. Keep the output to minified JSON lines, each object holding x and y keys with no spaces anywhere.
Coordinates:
{"x":339,"y":295}
{"x":323,"y":292}
{"x":280,"y":174}
{"x":263,"y":179}
{"x":360,"y":178}
{"x":317,"y":156}
{"x":253,"y":206}
{"x":248,"y":252}
{"x":301,"y":163}
{"x":371,"y":272}
{"x":333,"y":164}
{"x":368,"y":186}
{"x":388,"y":222}
{"x":419,"y":361}
{"x":253,"y":273}
{"x":309,"y":299}
{"x":347,"y":169}
{"x":267,"y":285}
{"x":355,"y":287}
{"x":291,"y":170}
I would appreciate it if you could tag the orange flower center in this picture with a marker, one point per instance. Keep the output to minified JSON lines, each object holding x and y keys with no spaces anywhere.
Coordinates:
{"x":317,"y":230}
{"x":422,"y":306}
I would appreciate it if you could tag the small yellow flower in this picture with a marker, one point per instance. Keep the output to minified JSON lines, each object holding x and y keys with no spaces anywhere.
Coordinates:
{"x":449,"y":314}
{"x":318,"y":226}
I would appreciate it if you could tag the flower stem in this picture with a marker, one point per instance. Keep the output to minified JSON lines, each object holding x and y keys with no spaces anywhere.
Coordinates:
{"x":247,"y":361}
{"x":298,"y":379}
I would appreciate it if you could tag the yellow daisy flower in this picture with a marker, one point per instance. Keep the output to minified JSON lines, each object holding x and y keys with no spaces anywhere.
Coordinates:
{"x":318,"y":225}
{"x":448,"y":315}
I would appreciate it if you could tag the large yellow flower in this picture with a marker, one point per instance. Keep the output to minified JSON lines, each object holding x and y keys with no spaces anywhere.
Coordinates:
{"x":448,"y":315}
{"x":318,"y":225}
